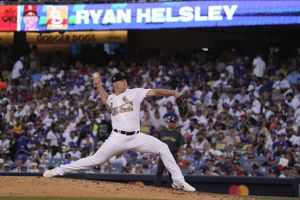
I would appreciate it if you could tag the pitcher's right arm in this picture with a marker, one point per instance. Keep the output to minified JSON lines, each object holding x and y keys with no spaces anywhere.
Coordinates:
{"x":102,"y":92}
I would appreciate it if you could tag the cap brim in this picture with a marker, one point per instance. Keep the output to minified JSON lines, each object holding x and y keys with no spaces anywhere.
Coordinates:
{"x":30,"y":14}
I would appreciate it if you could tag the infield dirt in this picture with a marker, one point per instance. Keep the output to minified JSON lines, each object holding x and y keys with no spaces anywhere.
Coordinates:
{"x":27,"y":186}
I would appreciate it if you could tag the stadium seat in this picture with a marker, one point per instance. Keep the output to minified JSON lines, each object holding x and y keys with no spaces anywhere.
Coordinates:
{"x":260,"y":159}
{"x":117,"y":167}
{"x":55,"y":162}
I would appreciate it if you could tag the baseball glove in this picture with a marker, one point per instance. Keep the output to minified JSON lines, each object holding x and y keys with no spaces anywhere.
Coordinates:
{"x":182,"y":104}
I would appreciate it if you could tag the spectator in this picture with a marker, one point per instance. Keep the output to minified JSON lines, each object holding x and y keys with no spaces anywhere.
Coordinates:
{"x":71,"y":139}
{"x":4,"y":145}
{"x":74,"y":152}
{"x":236,"y":169}
{"x":54,"y":140}
{"x":249,"y":162}
{"x":156,"y":120}
{"x":218,"y":169}
{"x":282,"y":142}
{"x":291,"y":101}
{"x":118,"y":159}
{"x":281,"y":83}
{"x":128,"y":169}
{"x":1,"y":165}
{"x":17,"y":69}
{"x":256,"y":170}
{"x":23,"y":145}
{"x":259,"y":66}
{"x":285,"y":172}
{"x":139,"y":170}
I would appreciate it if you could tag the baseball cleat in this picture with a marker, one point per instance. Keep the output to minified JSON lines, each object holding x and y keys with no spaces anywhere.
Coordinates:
{"x":50,"y":173}
{"x":183,"y":186}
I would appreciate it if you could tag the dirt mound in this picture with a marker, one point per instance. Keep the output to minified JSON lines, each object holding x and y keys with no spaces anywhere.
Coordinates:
{"x":62,"y":187}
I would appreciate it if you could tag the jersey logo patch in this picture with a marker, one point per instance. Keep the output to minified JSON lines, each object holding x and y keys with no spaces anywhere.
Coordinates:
{"x":126,"y":107}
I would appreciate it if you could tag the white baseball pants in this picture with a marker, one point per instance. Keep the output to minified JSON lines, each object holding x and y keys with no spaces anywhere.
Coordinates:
{"x":118,"y":143}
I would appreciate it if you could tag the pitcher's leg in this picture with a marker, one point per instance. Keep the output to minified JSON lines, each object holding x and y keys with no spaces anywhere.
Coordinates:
{"x":147,"y":143}
{"x":109,"y":148}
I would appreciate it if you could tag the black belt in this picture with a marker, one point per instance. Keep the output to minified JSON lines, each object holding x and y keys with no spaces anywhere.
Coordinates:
{"x":125,"y":132}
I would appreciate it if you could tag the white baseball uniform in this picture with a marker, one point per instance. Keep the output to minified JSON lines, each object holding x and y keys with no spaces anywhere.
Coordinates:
{"x":125,"y":111}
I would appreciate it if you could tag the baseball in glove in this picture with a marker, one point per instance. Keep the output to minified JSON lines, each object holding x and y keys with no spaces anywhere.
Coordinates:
{"x":182,"y":105}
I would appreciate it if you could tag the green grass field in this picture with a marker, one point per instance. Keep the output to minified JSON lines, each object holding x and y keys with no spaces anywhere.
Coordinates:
{"x":96,"y":198}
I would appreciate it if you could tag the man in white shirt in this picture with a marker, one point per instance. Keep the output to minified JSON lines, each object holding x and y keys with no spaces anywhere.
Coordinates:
{"x":124,"y":106}
{"x":156,"y":120}
{"x":4,"y":144}
{"x":118,"y":160}
{"x":281,"y":83}
{"x":291,"y":101}
{"x":47,"y":76}
{"x":222,"y":82}
{"x":74,"y":152}
{"x":53,"y":139}
{"x":256,"y":105}
{"x":242,"y":97}
{"x":70,"y":138}
{"x":259,"y":66}
{"x":18,"y":66}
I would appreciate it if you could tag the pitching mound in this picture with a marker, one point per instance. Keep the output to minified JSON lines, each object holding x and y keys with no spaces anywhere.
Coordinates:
{"x":61,"y":187}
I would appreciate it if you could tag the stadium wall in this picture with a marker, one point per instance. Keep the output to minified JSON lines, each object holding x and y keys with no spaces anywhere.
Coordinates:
{"x":246,"y":40}
{"x":266,"y":186}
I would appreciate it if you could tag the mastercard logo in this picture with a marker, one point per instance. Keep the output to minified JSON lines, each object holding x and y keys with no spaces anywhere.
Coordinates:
{"x":239,"y":190}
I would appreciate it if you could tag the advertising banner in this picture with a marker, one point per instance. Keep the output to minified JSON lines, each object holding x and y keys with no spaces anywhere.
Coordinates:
{"x":77,"y":37}
{"x":6,"y":37}
{"x":8,"y":18}
{"x":160,"y":15}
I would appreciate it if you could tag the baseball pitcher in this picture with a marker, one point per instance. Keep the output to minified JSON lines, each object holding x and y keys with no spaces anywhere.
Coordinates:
{"x":124,"y":106}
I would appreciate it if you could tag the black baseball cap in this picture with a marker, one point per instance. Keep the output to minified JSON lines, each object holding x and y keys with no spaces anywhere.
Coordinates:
{"x":117,"y":77}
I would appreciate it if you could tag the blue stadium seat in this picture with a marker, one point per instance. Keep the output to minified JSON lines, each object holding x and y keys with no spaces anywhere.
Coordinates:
{"x":55,"y":162}
{"x":260,"y":159}
{"x":185,"y":171}
{"x":116,"y":167}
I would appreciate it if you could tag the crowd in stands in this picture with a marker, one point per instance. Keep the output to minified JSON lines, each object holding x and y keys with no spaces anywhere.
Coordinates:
{"x":244,"y":113}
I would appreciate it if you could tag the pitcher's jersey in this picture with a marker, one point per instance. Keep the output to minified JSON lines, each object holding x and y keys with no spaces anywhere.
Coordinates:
{"x":125,"y":109}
